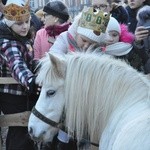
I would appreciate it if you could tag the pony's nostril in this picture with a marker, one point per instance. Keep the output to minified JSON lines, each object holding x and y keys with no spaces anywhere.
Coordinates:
{"x":44,"y":132}
{"x":30,"y":130}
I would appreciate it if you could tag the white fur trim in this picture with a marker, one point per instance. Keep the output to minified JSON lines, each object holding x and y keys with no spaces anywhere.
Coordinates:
{"x":9,"y":23}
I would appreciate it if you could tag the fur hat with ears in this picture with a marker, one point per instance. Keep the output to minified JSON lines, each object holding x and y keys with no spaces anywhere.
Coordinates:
{"x":16,"y":10}
{"x":143,"y":16}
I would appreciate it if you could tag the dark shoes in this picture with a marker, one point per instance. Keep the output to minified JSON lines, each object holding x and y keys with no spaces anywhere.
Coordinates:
{"x":58,"y":145}
{"x":47,"y":146}
{"x":61,"y":146}
{"x":65,"y":146}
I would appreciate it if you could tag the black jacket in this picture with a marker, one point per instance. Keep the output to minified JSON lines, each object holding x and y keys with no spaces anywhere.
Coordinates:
{"x":132,"y":22}
{"x":139,"y":58}
{"x":120,"y":14}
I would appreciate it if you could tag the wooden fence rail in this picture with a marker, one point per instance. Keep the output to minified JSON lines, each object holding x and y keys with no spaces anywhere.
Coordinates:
{"x":7,"y":80}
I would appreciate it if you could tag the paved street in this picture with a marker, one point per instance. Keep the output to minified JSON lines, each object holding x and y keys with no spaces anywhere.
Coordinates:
{"x":4,"y":133}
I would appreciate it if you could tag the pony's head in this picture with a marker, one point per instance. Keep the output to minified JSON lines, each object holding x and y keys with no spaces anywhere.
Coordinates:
{"x":51,"y":100}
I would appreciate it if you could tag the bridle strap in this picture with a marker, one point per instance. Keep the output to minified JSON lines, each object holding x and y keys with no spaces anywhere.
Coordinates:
{"x":94,"y":144}
{"x":54,"y":124}
{"x":45,"y":119}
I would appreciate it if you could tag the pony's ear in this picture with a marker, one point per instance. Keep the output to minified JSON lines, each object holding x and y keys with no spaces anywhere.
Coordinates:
{"x":58,"y":65}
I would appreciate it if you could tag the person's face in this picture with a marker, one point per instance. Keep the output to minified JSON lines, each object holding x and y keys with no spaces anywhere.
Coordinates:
{"x":135,"y":3}
{"x":49,"y":20}
{"x":112,"y":37}
{"x":21,"y":27}
{"x":83,"y":42}
{"x":102,"y":5}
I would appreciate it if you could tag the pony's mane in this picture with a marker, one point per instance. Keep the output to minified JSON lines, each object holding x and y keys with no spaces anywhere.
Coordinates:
{"x":94,"y":87}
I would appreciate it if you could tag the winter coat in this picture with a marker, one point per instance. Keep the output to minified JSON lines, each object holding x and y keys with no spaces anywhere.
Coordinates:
{"x":132,"y":22}
{"x":120,"y":14}
{"x":16,"y":55}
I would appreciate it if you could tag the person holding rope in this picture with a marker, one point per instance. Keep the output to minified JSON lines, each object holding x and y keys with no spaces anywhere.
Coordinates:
{"x":16,"y":55}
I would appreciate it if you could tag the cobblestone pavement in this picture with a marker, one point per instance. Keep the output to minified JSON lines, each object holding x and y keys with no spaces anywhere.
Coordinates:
{"x":4,"y":134}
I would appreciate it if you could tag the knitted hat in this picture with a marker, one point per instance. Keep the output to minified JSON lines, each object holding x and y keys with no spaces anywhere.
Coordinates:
{"x":91,"y":35}
{"x":16,"y":10}
{"x":58,"y":9}
{"x":113,"y":25}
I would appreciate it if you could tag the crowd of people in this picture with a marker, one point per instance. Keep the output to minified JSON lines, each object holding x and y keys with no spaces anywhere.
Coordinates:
{"x":25,"y":37}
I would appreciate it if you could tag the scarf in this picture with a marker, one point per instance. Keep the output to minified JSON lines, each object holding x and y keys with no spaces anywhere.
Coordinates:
{"x":57,"y":29}
{"x":116,"y":49}
{"x":72,"y":43}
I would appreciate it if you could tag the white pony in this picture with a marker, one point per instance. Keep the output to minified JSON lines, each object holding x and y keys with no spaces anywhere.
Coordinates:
{"x":104,"y":101}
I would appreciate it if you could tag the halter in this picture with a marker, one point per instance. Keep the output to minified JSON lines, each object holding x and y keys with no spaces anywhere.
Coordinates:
{"x":58,"y":125}
{"x":47,"y":120}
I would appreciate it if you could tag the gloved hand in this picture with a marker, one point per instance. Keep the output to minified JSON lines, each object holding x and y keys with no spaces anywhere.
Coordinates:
{"x":33,"y":88}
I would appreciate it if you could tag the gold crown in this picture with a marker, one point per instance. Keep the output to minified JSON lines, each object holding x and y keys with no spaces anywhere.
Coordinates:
{"x":17,"y":13}
{"x":94,"y":19}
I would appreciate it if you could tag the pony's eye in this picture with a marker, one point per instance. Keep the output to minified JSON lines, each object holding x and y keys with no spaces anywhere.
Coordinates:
{"x":50,"y":93}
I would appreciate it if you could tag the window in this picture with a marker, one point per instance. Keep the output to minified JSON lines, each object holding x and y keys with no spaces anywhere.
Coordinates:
{"x":32,"y":3}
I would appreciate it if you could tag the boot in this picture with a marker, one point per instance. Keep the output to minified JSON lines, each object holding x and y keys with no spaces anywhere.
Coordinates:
{"x":47,"y":146}
{"x":65,"y":146}
{"x":61,"y":146}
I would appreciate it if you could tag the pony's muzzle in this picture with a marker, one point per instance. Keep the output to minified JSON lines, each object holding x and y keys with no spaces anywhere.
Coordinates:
{"x":36,"y":137}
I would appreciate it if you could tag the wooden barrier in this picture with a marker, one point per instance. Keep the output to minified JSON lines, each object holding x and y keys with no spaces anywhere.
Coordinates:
{"x":17,"y":119}
{"x":7,"y":80}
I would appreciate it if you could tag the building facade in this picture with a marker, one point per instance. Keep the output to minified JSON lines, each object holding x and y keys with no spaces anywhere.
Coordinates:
{"x":74,"y":6}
